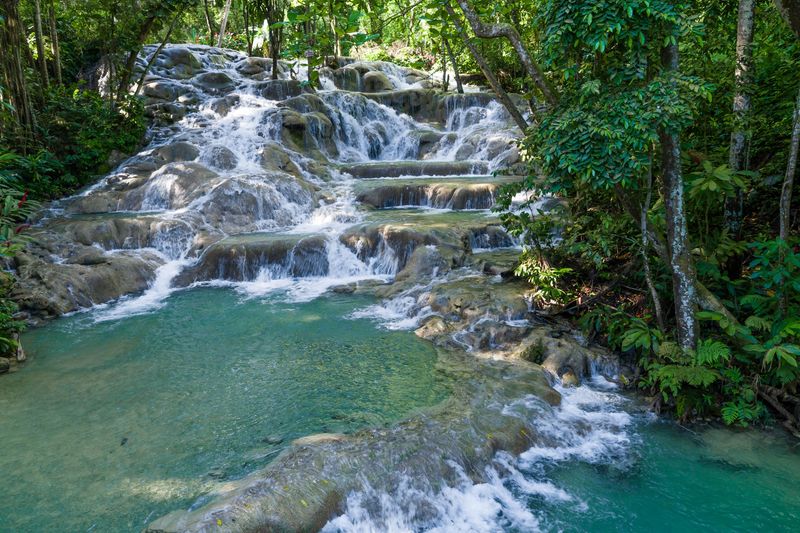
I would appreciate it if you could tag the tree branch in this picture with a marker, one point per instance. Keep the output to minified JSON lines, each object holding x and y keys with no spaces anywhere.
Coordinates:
{"x":496,"y":30}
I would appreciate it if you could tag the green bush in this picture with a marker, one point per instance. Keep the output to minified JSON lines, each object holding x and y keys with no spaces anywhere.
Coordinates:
{"x":77,"y":132}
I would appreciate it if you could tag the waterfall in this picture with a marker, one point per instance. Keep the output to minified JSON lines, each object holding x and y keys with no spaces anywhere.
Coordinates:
{"x":235,"y":154}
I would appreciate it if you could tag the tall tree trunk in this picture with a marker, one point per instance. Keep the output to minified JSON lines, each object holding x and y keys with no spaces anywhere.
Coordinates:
{"x":788,"y":181}
{"x":247,"y":34}
{"x":37,"y":28}
{"x":54,"y":42}
{"x":790,"y":11}
{"x":680,"y":258}
{"x":224,"y":22}
{"x":495,"y":30}
{"x":453,"y":62}
{"x":161,"y":46}
{"x":648,"y":276}
{"x":13,"y":69}
{"x":487,"y":72}
{"x":337,"y":45}
{"x":127,"y":70}
{"x":209,"y":22}
{"x":740,"y":136}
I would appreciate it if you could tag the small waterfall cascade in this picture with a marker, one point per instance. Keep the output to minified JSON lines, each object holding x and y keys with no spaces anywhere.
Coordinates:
{"x":266,"y":184}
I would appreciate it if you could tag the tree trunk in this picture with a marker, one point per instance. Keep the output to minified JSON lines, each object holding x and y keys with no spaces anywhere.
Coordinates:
{"x":224,"y":22}
{"x":648,"y":276}
{"x":161,"y":46}
{"x":13,"y":68}
{"x":54,"y":43}
{"x":788,"y":181}
{"x":790,"y":10}
{"x":37,"y":28}
{"x":740,"y":136}
{"x":490,"y":77}
{"x":680,"y":259}
{"x":247,"y":35}
{"x":209,"y":22}
{"x":337,"y":46}
{"x":127,"y":70}
{"x":493,"y":31}
{"x":453,"y":62}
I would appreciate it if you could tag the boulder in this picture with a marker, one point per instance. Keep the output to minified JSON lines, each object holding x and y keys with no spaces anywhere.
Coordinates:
{"x":273,"y":156}
{"x":221,"y":158}
{"x":222,"y":106}
{"x":177,"y":151}
{"x":5,"y":365}
{"x":214,"y":82}
{"x":376,"y":82}
{"x":163,"y":90}
{"x":279,"y":89}
{"x":47,"y":290}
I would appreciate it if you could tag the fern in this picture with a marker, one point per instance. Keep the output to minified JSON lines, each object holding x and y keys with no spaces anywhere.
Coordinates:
{"x":710,"y":352}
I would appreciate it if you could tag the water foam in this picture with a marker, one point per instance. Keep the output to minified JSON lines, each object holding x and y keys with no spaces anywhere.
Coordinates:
{"x":589,"y":426}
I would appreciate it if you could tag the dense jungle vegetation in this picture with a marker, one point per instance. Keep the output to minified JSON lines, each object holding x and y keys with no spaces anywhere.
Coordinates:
{"x":669,"y":129}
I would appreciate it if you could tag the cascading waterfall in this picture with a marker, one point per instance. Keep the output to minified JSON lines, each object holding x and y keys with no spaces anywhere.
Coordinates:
{"x":366,"y":130}
{"x":376,"y":192}
{"x":227,"y":161}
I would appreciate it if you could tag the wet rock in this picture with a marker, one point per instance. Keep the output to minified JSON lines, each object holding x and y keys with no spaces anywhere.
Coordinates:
{"x":254,"y":65}
{"x":310,"y":133}
{"x":46,"y":290}
{"x":5,"y":365}
{"x":243,"y":258}
{"x":569,"y":379}
{"x":319,"y":438}
{"x":279,"y":89}
{"x":421,"y":104}
{"x":433,"y":327}
{"x":166,"y":113}
{"x":214,"y":82}
{"x":174,"y":152}
{"x":88,"y":257}
{"x":440,"y":196}
{"x":347,"y":79}
{"x":222,"y":106}
{"x":305,"y":103}
{"x":425,"y":262}
{"x":163,"y":90}
{"x":237,"y":203}
{"x":565,"y":354}
{"x":174,"y":186}
{"x":375,"y":82}
{"x":222,"y":158}
{"x":179,"y":61}
{"x":273,"y":156}
{"x":394,"y":169}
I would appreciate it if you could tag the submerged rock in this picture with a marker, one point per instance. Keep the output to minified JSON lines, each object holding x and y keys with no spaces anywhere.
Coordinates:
{"x":307,"y":484}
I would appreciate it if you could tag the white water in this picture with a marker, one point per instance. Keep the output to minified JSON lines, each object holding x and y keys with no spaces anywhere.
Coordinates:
{"x":232,"y":133}
{"x":590,"y":426}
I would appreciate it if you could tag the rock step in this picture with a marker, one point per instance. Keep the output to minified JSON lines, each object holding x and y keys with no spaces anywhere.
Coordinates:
{"x":386,"y":240}
{"x":437,"y":194}
{"x":396,"y":169}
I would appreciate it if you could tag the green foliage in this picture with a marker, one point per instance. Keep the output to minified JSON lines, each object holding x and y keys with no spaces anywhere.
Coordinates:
{"x":15,"y":209}
{"x":534,"y":353}
{"x":77,"y":133}
{"x":544,"y":278}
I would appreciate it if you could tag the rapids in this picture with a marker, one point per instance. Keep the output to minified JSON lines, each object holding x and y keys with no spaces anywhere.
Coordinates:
{"x":292,"y":310}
